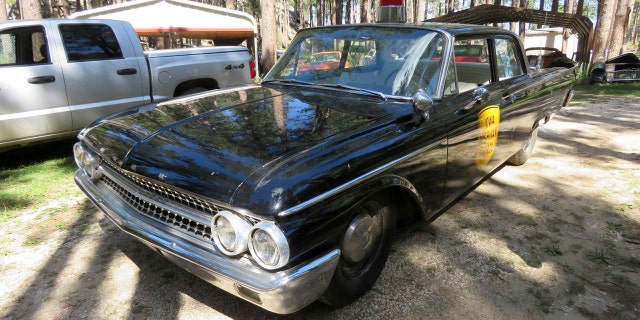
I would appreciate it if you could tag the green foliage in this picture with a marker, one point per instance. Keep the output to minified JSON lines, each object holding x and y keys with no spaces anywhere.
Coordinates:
{"x":589,"y":92}
{"x":35,"y":184}
{"x":600,"y":256}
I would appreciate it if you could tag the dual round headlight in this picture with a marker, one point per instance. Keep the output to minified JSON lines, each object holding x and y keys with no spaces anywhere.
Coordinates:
{"x":87,"y":161}
{"x":233,"y":235}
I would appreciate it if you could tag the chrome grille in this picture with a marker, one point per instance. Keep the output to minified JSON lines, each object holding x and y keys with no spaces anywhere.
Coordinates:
{"x":168,"y":214}
{"x":159,"y":213}
{"x":169,"y":193}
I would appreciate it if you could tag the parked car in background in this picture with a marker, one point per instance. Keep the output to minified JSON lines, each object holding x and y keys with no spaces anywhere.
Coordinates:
{"x":290,"y":191}
{"x":59,"y":75}
{"x":547,"y":58}
{"x":329,"y":60}
{"x":465,"y":52}
{"x":623,"y":68}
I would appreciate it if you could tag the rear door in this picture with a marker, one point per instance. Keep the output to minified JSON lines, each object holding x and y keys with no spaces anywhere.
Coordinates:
{"x":33,"y":102}
{"x":103,"y":72}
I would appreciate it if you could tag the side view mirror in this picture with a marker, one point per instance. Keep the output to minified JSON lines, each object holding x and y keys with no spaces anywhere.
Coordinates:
{"x":422,"y":103}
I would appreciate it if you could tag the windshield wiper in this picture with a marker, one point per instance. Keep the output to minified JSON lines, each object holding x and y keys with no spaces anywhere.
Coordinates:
{"x":288,"y":81}
{"x":344,"y":87}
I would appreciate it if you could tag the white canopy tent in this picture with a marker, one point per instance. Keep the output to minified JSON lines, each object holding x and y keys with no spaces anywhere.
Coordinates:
{"x":189,"y":19}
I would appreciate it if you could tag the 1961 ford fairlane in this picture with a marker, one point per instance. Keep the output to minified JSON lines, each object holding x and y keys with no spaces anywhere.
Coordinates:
{"x":289,"y":191}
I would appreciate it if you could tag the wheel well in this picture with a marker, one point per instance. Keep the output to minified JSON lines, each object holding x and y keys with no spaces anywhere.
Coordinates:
{"x":206,"y":83}
{"x":407,"y":210}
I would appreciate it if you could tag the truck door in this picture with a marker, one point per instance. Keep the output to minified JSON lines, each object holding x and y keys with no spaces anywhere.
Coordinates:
{"x":102,"y":72}
{"x":33,"y":102}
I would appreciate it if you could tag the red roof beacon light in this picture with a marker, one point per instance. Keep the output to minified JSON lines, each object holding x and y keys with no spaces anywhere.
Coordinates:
{"x":392,"y":11}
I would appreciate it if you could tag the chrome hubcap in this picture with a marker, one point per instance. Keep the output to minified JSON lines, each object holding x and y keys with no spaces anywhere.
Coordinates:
{"x":361,"y":237}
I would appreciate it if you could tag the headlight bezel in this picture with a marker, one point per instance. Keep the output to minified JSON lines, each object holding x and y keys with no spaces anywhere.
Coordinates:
{"x":279,"y":241}
{"x":240,"y":228}
{"x":87,"y":160}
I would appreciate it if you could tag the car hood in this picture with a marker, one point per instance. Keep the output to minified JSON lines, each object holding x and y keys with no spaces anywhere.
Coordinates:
{"x":272,"y":145}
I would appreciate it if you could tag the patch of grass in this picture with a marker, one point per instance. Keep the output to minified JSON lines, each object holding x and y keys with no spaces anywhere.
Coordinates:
{"x":35,"y":185}
{"x":614,"y":226}
{"x":626,"y":206}
{"x":543,"y":297}
{"x":527,"y":221}
{"x":566,"y":267}
{"x":575,"y":247}
{"x":575,"y":287}
{"x":587,"y":209}
{"x":7,"y":215}
{"x":600,"y":256}
{"x":553,"y":250}
{"x":633,"y":262}
{"x":590,"y":92}
{"x":31,"y":241}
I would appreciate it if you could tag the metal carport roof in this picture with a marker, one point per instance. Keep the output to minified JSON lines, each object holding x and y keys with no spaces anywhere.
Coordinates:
{"x":186,"y":18}
{"x":488,"y":13}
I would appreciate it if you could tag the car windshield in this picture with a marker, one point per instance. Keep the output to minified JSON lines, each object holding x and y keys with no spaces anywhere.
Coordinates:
{"x":393,"y":61}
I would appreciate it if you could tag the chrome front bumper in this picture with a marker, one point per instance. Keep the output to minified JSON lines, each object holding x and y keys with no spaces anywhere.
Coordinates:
{"x":281,"y":292}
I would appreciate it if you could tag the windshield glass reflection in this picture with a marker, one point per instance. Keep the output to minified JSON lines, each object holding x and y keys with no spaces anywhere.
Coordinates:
{"x":394,"y":61}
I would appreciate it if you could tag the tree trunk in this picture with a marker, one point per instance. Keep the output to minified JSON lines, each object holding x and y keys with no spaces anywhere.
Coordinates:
{"x":421,"y":10}
{"x":347,"y":14}
{"x":365,"y":11}
{"x":3,"y":10}
{"x":319,"y":13}
{"x":513,"y":26}
{"x":336,"y":12}
{"x":580,"y":7}
{"x":268,"y":29}
{"x":620,"y":25}
{"x":522,"y":27}
{"x":606,"y":11}
{"x":566,"y":32}
{"x":230,"y":4}
{"x":30,"y":9}
{"x":634,"y":28}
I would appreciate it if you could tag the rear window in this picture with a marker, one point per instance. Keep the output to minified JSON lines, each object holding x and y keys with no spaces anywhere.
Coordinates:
{"x":87,"y":42}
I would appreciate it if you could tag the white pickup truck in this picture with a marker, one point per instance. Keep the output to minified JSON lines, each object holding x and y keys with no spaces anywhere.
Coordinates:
{"x":57,"y":76}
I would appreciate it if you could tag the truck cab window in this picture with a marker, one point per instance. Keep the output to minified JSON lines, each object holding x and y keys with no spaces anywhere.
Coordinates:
{"x":23,"y":46}
{"x":89,"y":42}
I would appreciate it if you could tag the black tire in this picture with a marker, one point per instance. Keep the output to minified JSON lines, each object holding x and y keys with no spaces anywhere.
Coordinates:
{"x":358,"y":270}
{"x":524,"y":154}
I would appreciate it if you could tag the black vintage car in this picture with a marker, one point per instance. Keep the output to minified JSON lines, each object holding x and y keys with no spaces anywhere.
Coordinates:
{"x":290,"y":191}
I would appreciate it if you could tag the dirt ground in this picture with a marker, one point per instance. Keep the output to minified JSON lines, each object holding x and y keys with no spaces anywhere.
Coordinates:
{"x":557,"y":238}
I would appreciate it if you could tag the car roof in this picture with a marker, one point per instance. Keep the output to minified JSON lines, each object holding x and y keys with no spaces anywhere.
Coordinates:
{"x":455,"y":29}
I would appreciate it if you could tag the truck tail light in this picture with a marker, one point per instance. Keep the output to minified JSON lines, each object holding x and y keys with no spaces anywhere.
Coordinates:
{"x":392,"y":11}
{"x":252,"y":69}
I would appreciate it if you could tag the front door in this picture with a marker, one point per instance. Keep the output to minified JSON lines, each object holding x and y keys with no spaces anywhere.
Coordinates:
{"x":33,"y":102}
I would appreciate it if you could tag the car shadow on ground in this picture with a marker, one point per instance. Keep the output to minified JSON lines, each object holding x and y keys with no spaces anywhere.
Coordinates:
{"x":16,"y":158}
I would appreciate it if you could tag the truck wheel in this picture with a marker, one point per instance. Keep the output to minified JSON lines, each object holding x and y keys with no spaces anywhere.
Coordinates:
{"x":365,"y":247}
{"x":523,"y":155}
